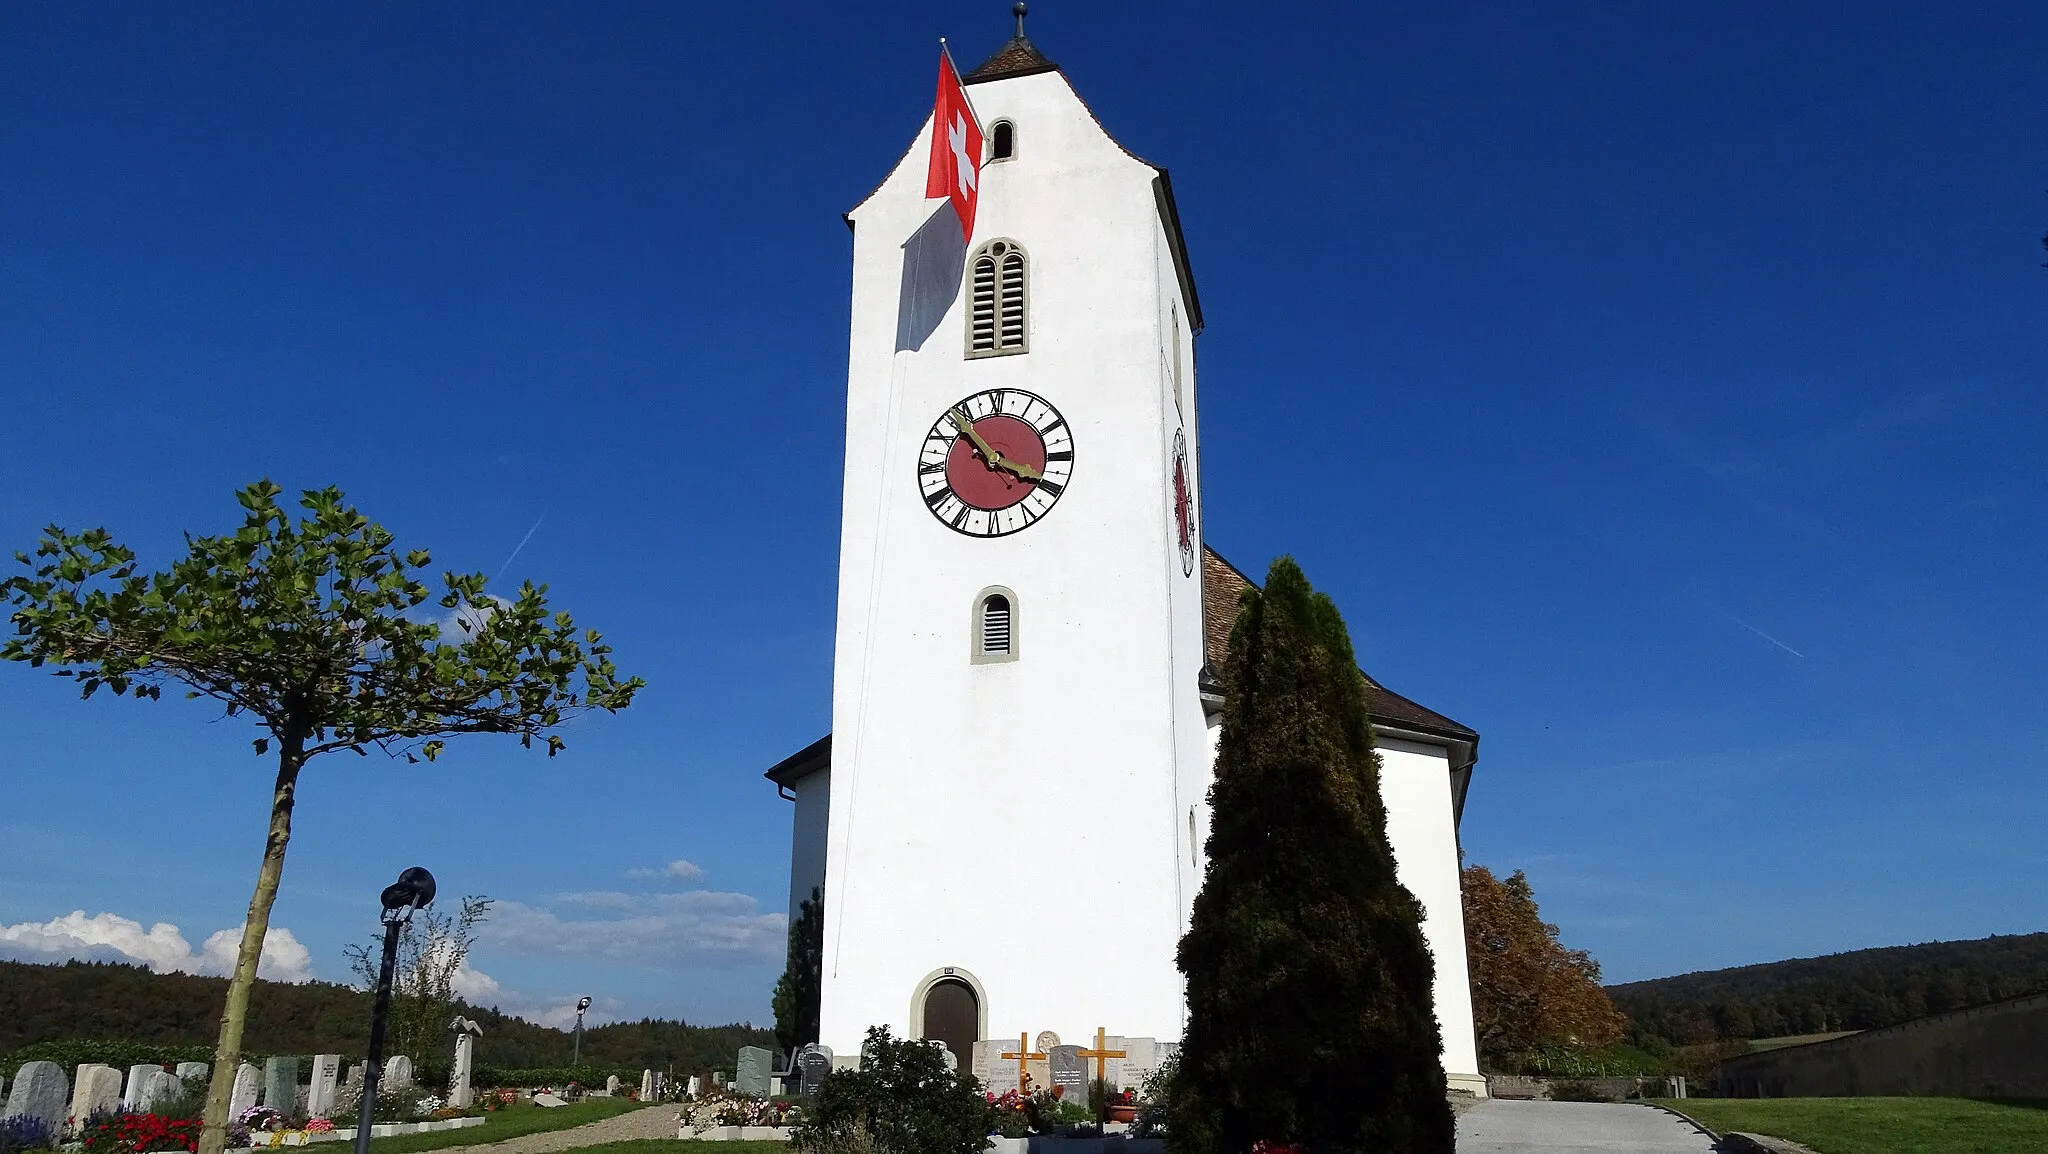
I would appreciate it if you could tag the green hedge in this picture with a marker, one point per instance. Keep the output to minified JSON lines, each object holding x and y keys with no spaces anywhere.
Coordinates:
{"x":120,"y":1055}
{"x":589,"y":1077}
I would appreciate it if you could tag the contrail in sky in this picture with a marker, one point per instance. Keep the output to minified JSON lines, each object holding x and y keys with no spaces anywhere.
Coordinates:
{"x":1738,"y":621}
{"x":518,"y":547}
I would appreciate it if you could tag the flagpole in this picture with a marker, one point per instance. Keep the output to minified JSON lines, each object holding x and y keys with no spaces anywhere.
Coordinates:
{"x":950,"y":63}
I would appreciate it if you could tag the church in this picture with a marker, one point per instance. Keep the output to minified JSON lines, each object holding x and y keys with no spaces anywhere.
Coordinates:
{"x":1007,"y":821}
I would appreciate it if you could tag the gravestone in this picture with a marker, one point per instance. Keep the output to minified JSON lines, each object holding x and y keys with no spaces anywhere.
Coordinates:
{"x":647,"y":1085}
{"x":813,"y":1063}
{"x":459,"y":1093}
{"x":320,"y":1096}
{"x":131,"y":1088}
{"x":189,"y":1070}
{"x":42,"y":1092}
{"x":1001,"y":1073}
{"x":248,"y":1082}
{"x":695,"y":1085}
{"x":96,"y":1091}
{"x":158,"y":1087}
{"x":281,"y":1084}
{"x":397,"y":1073}
{"x":611,"y":1085}
{"x":1069,"y":1072}
{"x":751,"y":1073}
{"x":1141,"y":1057}
{"x":548,"y":1100}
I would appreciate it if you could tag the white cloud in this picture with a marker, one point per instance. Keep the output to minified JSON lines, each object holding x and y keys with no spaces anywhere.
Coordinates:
{"x":643,"y":929}
{"x":675,"y":871}
{"x":162,"y":947}
{"x":556,"y":1010}
{"x":474,"y":986}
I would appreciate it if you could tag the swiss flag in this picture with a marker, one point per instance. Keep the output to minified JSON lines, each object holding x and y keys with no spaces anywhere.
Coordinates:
{"x":955,"y":171}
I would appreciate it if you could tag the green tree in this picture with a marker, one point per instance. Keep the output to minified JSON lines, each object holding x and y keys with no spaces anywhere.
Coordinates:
{"x":1305,"y":953}
{"x":431,"y":950}
{"x":315,"y":630}
{"x":796,"y":994}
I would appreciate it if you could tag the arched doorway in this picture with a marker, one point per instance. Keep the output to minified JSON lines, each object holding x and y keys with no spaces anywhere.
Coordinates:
{"x":952,"y":1015}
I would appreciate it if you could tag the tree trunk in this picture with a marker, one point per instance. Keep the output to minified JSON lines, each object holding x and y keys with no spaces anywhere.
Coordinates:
{"x":213,"y":1134}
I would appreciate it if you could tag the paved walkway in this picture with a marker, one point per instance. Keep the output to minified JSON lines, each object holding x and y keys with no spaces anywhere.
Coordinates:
{"x":1497,"y":1127}
{"x":656,"y":1121}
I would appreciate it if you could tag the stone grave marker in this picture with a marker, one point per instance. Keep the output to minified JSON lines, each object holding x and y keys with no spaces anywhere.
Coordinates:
{"x":1107,"y":1057}
{"x":611,"y":1085}
{"x":187,"y":1071}
{"x":548,"y":1100}
{"x":326,"y":1074}
{"x":695,"y":1086}
{"x":397,"y":1073}
{"x":40,"y":1091}
{"x":1141,"y":1057}
{"x":647,"y":1085}
{"x":158,"y":1087}
{"x":96,"y":1091}
{"x":752,"y":1072}
{"x":459,"y":1093}
{"x":281,"y":1084}
{"x":248,"y":1083}
{"x":813,"y":1063}
{"x":131,"y":1087}
{"x":1069,"y":1072}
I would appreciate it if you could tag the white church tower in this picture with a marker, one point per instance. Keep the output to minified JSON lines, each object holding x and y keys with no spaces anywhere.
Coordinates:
{"x":1006,"y":823}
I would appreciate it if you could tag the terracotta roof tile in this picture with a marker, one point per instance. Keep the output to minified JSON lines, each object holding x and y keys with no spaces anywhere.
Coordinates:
{"x":1222,"y":585}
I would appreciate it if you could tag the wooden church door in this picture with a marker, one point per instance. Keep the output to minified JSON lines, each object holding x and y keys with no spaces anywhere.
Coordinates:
{"x":952,"y":1015}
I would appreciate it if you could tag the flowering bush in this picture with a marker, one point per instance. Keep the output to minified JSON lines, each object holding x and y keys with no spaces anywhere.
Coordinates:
{"x":134,"y":1133}
{"x":260,"y":1118}
{"x":724,"y":1108}
{"x":319,"y":1126}
{"x":25,"y":1132}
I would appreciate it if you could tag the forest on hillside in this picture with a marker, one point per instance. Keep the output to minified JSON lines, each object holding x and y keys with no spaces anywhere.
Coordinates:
{"x":111,"y":1001}
{"x":1861,"y":990}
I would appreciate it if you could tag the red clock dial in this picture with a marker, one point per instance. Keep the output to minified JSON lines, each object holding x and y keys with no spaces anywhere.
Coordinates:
{"x":1183,"y":503}
{"x":995,"y":462}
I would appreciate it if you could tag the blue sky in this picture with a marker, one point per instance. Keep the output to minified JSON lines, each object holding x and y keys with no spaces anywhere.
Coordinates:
{"x":1655,"y":389}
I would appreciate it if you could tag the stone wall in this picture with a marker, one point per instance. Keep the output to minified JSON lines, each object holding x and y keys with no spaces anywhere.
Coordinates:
{"x":1994,"y":1051}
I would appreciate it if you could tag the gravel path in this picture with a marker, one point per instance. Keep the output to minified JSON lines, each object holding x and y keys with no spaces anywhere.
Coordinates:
{"x":656,"y":1121}
{"x":1500,"y":1127}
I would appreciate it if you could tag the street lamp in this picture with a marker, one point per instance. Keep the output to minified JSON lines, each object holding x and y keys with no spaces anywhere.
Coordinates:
{"x":580,"y":1007}
{"x":413,"y":890}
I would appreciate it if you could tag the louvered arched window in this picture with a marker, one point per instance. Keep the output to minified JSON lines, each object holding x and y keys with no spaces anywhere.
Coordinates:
{"x":998,"y":313}
{"x":995,"y":626}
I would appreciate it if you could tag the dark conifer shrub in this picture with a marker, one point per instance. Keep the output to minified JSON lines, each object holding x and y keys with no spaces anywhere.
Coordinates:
{"x":1310,"y":1012}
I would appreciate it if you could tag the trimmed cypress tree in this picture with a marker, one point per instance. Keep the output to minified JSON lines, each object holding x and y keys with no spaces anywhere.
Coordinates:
{"x":1310,"y":1011}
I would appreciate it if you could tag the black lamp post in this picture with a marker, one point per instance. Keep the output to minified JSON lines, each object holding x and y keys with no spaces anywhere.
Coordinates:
{"x":413,"y":890}
{"x":581,"y":1006}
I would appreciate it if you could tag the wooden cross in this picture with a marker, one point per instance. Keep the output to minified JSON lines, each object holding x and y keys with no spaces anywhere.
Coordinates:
{"x":1022,"y":1056}
{"x":1100,"y":1054}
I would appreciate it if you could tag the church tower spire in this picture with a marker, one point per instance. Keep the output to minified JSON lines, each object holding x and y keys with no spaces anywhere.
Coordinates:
{"x":1019,"y":57}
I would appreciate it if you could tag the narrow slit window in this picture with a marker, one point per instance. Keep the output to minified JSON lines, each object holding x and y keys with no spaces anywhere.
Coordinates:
{"x":995,"y":626}
{"x":1003,"y":141}
{"x":998,"y":313}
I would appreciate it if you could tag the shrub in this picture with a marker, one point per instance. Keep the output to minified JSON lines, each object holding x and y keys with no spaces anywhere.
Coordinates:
{"x":1578,"y":1092}
{"x":902,"y":1100}
{"x":25,"y":1132}
{"x":136,"y":1133}
{"x":120,"y":1055}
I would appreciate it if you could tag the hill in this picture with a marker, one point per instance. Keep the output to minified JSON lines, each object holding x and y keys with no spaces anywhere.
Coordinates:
{"x":1860,"y":990}
{"x":107,"y":1001}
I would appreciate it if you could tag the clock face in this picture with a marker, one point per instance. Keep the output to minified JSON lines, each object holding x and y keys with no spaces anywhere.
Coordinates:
{"x":995,"y":462}
{"x":1183,"y":503}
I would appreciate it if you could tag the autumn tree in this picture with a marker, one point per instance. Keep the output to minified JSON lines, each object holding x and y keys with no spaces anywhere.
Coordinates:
{"x":1528,"y":990}
{"x":796,"y":993}
{"x":1311,"y":1017}
{"x":318,"y":631}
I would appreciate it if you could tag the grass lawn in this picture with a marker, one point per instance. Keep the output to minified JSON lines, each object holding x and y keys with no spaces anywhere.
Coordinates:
{"x":511,"y":1122}
{"x":1882,"y":1125}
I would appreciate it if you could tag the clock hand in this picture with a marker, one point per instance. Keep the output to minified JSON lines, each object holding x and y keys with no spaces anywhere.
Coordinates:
{"x":988,"y":451}
{"x":1021,"y":469}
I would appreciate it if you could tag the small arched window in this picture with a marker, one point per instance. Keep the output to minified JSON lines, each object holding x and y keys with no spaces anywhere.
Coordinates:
{"x":998,"y":313}
{"x":995,"y":626}
{"x":1002,"y":140}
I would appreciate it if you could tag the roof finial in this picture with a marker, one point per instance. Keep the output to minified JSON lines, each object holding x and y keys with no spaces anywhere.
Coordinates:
{"x":1019,"y":8}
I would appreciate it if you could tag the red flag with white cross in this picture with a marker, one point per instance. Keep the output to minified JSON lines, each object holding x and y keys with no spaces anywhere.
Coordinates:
{"x":955,"y":170}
